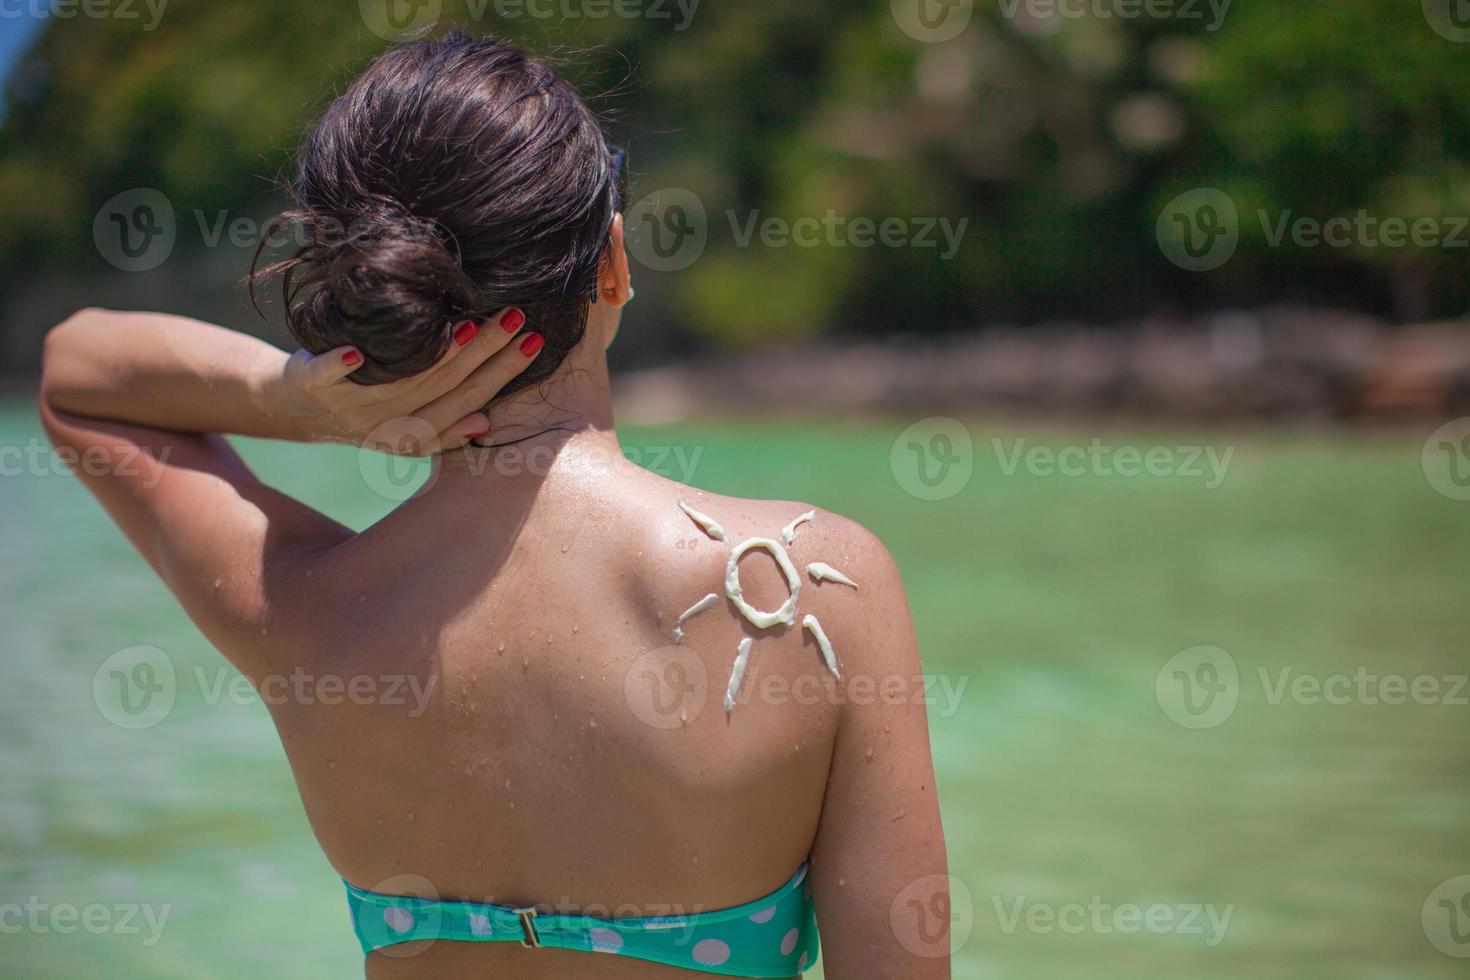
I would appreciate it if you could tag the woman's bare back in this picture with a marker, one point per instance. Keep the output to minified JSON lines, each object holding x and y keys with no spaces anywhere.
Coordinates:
{"x":551,"y":744}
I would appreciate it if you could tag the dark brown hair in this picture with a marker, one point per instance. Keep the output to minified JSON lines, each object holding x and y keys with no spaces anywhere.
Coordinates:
{"x":454,"y":177}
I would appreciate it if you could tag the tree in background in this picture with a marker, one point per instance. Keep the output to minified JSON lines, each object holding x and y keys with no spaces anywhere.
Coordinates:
{"x":1059,"y":139}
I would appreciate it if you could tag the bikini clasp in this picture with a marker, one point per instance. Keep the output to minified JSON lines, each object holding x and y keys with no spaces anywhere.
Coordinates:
{"x":531,"y":939}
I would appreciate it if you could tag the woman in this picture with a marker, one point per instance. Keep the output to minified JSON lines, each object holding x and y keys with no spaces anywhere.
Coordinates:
{"x":461,"y":272}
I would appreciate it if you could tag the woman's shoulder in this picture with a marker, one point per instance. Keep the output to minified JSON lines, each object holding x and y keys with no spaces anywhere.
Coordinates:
{"x":799,"y":528}
{"x":843,"y":572}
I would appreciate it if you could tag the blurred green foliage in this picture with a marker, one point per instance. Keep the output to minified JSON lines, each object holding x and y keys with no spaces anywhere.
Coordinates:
{"x":1060,"y":138}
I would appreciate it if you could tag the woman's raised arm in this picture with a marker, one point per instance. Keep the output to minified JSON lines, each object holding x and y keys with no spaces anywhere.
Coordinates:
{"x":170,"y":372}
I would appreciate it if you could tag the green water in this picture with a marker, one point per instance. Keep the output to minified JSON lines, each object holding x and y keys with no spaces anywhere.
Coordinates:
{"x":1056,"y":600}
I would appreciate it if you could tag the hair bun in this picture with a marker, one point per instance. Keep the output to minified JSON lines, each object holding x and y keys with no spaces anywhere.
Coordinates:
{"x":382,"y":280}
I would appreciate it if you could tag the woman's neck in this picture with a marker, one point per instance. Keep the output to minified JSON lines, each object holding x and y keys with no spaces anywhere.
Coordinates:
{"x":530,"y":430}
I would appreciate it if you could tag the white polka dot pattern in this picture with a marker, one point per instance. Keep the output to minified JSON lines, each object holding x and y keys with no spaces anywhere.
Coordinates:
{"x":399,"y":920}
{"x":711,"y":952}
{"x":604,"y":940}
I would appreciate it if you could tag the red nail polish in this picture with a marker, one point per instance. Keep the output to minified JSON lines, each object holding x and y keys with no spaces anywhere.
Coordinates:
{"x":532,"y":344}
{"x":351,"y":357}
{"x":512,"y":321}
{"x":465,"y":332}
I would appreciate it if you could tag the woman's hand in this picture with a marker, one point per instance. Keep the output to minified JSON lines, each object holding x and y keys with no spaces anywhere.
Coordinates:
{"x":429,"y":413}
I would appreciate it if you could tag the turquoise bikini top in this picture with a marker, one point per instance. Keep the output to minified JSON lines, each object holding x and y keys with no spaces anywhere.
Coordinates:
{"x":775,"y":936}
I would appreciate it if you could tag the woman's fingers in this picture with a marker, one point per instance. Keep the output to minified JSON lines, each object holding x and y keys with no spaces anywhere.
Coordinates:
{"x":470,"y":427}
{"x":484,"y":383}
{"x":412,"y":435}
{"x":470,"y":346}
{"x":488,"y":339}
{"x":326,"y":368}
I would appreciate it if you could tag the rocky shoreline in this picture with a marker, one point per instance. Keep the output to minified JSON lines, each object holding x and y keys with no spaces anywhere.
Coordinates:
{"x":1268,"y":364}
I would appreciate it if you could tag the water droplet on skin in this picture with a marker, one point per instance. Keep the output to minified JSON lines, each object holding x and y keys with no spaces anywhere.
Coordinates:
{"x":218,"y":583}
{"x":901,"y":815}
{"x":500,"y":649}
{"x":841,"y":882}
{"x":380,"y":821}
{"x":331,"y":763}
{"x":525,"y":663}
{"x":591,"y":722}
{"x":695,"y":859}
{"x":411,"y":817}
{"x":575,"y":627}
{"x":870,"y":753}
